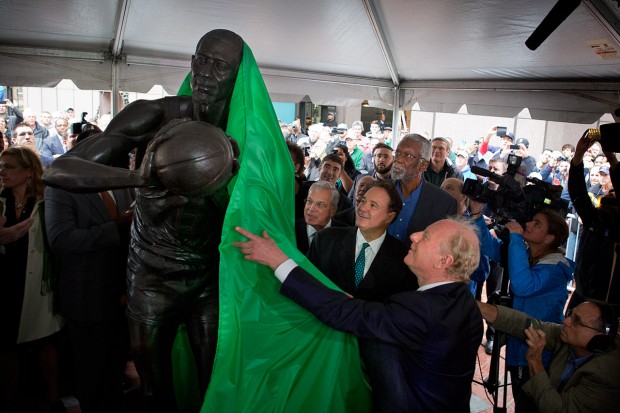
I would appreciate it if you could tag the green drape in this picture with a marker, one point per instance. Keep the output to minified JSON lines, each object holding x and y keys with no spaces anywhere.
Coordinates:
{"x":272,"y":355}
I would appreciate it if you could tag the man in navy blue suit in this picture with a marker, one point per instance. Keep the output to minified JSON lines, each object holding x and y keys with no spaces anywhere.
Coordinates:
{"x":437,"y":329}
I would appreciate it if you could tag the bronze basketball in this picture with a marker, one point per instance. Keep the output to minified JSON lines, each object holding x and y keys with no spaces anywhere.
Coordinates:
{"x":196,"y":160}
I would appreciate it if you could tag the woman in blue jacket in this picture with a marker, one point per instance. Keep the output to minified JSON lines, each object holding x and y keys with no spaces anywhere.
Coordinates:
{"x":539,"y":273}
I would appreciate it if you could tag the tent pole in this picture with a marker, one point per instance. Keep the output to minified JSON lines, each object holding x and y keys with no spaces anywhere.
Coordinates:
{"x":396,"y":118}
{"x":115,"y":89}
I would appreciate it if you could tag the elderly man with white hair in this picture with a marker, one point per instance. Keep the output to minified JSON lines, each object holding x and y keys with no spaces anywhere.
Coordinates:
{"x":314,"y":149}
{"x":40,"y":132}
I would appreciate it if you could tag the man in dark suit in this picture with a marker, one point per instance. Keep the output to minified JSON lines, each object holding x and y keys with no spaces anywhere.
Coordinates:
{"x":319,"y":211}
{"x":334,"y":251}
{"x":423,"y":203}
{"x":90,"y":234}
{"x":53,"y":145}
{"x":329,"y":170}
{"x":435,"y":331}
{"x":348,"y":215}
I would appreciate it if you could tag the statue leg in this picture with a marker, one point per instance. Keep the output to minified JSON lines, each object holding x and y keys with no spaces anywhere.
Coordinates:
{"x":151,"y":343}
{"x":202,"y":331}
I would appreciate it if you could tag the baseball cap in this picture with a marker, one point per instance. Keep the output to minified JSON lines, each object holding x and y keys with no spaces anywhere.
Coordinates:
{"x":342,"y":126}
{"x":463,"y":153}
{"x":522,"y":141}
{"x":510,"y":136}
{"x":604,"y":169}
{"x":294,"y":126}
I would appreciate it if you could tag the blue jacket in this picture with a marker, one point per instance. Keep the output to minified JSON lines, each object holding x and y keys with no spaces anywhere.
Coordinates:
{"x":539,"y":291}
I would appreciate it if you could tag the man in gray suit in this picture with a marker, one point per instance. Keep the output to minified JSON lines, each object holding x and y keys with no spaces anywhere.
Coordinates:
{"x":423,"y":203}
{"x":90,"y":235}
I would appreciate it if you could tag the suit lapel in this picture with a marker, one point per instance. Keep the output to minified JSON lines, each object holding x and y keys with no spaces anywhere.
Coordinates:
{"x":123,"y":199}
{"x":370,"y":279}
{"x":97,"y":202}
{"x":346,"y":254}
{"x":419,"y":214}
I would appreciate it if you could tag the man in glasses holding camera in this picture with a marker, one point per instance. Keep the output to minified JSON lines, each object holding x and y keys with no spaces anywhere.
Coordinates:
{"x":584,"y":375}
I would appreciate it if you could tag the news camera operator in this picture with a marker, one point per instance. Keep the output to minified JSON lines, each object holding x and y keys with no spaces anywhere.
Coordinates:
{"x":538,"y":274}
{"x":597,"y":274}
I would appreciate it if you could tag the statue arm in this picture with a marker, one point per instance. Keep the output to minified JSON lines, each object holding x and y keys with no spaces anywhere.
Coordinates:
{"x":100,"y":162}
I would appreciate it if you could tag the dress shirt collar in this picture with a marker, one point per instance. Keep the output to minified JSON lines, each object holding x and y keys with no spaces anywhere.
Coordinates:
{"x":374,"y":245}
{"x":433,"y":285}
{"x":310,"y":230}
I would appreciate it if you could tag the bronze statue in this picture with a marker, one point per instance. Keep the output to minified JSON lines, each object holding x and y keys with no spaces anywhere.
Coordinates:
{"x":173,"y":257}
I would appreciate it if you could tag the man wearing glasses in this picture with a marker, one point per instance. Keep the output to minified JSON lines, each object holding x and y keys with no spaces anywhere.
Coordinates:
{"x":584,"y":374}
{"x":423,"y":203}
{"x":319,"y":209}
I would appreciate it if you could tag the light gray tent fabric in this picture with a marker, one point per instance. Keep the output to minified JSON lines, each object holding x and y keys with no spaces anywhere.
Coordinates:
{"x":439,"y":53}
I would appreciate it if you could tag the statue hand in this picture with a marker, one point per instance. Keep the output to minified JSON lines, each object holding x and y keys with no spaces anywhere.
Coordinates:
{"x":155,"y":204}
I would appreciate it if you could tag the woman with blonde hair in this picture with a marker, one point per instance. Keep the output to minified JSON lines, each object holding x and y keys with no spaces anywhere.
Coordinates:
{"x":26,"y":301}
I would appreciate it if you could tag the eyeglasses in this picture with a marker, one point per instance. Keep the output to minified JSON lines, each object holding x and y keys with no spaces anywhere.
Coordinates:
{"x":318,"y":204}
{"x":407,"y":156}
{"x":576,"y":321}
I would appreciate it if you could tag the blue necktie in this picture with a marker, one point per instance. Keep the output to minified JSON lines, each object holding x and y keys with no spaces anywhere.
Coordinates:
{"x":360,"y":262}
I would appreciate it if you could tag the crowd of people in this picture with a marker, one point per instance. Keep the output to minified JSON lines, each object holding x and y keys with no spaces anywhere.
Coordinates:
{"x":386,"y":220}
{"x":428,"y":177}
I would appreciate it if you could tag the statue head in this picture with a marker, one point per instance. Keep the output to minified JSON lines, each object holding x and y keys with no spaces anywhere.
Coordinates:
{"x":214,"y":67}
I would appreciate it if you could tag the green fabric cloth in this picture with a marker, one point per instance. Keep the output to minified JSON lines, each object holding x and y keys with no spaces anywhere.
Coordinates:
{"x":272,"y":356}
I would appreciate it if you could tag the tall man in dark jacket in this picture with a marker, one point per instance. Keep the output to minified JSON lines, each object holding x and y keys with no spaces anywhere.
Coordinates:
{"x":423,"y":203}
{"x":91,"y":237}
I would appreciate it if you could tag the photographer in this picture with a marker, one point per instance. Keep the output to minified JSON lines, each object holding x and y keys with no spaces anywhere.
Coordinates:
{"x":596,"y":274}
{"x":538,"y":274}
{"x":584,"y":375}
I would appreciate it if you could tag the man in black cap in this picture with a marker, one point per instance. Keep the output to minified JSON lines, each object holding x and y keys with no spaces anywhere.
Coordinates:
{"x":331,"y":120}
{"x":339,"y":133}
{"x":529,"y":162}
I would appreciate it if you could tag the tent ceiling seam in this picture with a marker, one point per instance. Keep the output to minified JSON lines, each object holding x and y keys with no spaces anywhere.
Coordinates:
{"x":371,"y":11}
{"x":121,"y":25}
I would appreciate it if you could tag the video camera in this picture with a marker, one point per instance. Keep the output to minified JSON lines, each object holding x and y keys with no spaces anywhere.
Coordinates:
{"x":510,"y":201}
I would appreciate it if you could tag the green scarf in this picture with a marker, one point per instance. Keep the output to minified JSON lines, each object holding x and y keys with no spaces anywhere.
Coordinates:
{"x":272,"y":356}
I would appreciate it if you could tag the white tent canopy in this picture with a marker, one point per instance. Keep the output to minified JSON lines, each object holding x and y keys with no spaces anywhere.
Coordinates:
{"x":439,"y":53}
